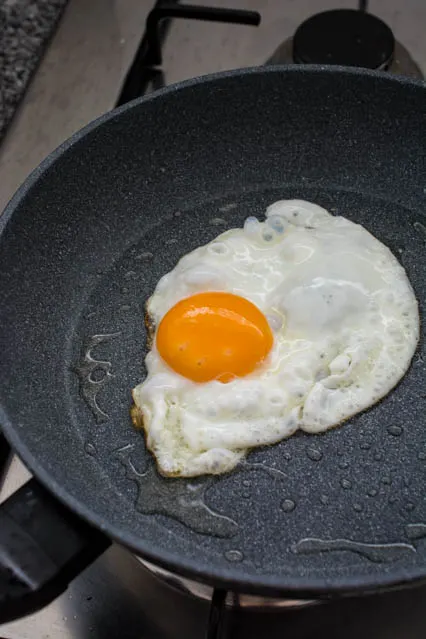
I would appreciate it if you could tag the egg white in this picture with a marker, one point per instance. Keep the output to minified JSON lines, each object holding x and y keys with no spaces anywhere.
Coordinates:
{"x":345,"y":323}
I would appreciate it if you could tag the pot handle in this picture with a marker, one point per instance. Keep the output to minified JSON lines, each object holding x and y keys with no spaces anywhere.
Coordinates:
{"x":43,"y":547}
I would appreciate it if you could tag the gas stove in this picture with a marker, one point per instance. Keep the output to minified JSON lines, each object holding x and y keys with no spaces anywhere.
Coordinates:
{"x":122,"y":595}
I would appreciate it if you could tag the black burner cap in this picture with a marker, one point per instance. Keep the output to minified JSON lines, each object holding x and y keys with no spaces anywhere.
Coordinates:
{"x":346,"y":37}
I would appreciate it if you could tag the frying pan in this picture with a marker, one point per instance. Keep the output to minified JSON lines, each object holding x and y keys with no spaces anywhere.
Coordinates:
{"x":82,"y":245}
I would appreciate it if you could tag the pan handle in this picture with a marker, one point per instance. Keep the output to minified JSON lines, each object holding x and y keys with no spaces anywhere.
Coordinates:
{"x":43,"y":547}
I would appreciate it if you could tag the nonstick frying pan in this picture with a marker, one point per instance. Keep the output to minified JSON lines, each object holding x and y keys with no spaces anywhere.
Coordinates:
{"x":82,"y":245}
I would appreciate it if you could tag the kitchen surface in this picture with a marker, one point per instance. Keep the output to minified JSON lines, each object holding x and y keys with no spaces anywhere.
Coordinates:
{"x":80,"y":77}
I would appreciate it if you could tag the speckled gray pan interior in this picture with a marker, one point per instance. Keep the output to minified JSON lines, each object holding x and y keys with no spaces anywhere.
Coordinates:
{"x":83,"y":244}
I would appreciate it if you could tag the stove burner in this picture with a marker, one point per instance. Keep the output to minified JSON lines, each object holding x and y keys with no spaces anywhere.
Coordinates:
{"x":401,"y":63}
{"x":346,"y":37}
{"x":231,"y":599}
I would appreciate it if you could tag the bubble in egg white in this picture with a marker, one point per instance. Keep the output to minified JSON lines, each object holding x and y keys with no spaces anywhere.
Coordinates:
{"x":276,"y":223}
{"x":219,"y":248}
{"x":340,"y":364}
{"x":345,"y":325}
{"x":252,"y":226}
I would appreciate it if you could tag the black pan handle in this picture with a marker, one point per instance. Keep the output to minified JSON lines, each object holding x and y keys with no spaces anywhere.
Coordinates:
{"x":43,"y":547}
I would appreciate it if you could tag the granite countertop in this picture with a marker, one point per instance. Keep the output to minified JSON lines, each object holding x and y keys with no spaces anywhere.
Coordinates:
{"x":26,"y":27}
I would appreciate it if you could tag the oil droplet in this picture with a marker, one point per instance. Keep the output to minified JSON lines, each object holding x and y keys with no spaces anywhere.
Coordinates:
{"x":246,"y":482}
{"x":273,"y":472}
{"x":125,"y":307}
{"x":130,"y":275}
{"x":217,"y":221}
{"x":386,"y":480}
{"x":409,"y":506}
{"x":378,"y":456}
{"x":421,"y":228}
{"x":287,"y":456}
{"x":124,"y":290}
{"x":180,"y":500}
{"x":395,"y":430}
{"x":177,"y":213}
{"x":93,"y":374}
{"x":314,"y":454}
{"x":90,"y":315}
{"x":392,"y":499}
{"x":421,"y":455}
{"x":228,"y":207}
{"x":346,"y":483}
{"x":145,"y":256}
{"x":365,"y":445}
{"x":245,"y":494}
{"x":172,"y":240}
{"x":415,"y":531}
{"x":324,"y":499}
{"x":90,"y":449}
{"x":419,"y":359}
{"x":97,"y":375}
{"x":234,"y":555}
{"x":372,"y":492}
{"x":343,"y":465}
{"x":374,"y":552}
{"x":288,"y":505}
{"x":358,"y":508}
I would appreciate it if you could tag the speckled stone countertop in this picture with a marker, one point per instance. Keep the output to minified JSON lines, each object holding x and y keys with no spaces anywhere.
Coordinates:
{"x":26,"y":27}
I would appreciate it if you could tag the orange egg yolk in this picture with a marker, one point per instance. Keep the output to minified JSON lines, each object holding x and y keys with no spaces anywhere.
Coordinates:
{"x":214,"y":336}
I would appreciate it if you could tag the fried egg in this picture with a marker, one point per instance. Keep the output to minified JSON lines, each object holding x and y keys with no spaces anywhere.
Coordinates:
{"x":296,"y":322}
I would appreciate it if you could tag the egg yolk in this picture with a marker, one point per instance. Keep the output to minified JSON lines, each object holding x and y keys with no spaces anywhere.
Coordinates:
{"x":214,"y":336}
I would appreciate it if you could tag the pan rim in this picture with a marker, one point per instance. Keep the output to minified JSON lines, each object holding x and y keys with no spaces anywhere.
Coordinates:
{"x":273,"y":585}
{"x":177,"y":86}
